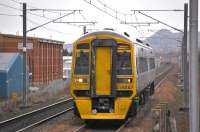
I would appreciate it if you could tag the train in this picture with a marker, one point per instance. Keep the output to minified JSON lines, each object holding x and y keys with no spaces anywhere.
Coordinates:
{"x":111,"y":75}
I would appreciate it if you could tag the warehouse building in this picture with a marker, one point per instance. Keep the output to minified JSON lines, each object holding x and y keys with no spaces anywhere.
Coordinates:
{"x":11,"y":74}
{"x":44,"y":60}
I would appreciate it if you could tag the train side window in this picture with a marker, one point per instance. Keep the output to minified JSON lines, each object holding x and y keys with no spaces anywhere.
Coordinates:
{"x":82,"y":63}
{"x":140,"y":64}
{"x":143,"y":64}
{"x":124,"y":63}
{"x":152,"y":63}
{"x":137,"y":65}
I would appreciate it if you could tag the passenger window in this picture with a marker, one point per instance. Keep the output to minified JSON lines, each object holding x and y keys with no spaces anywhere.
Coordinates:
{"x":152,"y":63}
{"x":143,"y":65}
{"x":82,"y":63}
{"x":124,"y":63}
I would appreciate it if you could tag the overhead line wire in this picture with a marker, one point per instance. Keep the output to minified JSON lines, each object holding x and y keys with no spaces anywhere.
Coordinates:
{"x":41,"y":16}
{"x":53,"y":20}
{"x":117,"y":18}
{"x":4,"y":14}
{"x":102,"y":10}
{"x":50,"y":29}
{"x":11,"y":7}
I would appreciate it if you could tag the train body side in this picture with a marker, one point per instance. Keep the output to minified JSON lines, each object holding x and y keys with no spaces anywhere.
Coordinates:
{"x":146,"y":68}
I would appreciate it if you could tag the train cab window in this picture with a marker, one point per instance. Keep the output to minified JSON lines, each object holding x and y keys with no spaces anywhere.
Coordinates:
{"x":124,"y":63}
{"x":83,"y":46}
{"x":152,"y":63}
{"x":82,"y":62}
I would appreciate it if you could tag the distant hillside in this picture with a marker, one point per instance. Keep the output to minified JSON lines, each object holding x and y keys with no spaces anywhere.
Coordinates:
{"x":166,"y":41}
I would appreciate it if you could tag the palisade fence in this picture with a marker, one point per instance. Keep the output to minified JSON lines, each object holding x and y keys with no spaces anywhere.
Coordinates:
{"x":163,"y":120}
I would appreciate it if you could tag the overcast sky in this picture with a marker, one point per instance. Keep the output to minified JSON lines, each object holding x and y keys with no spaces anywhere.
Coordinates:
{"x":68,"y":33}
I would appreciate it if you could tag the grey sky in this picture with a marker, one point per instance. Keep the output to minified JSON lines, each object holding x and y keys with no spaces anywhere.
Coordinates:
{"x":69,"y":33}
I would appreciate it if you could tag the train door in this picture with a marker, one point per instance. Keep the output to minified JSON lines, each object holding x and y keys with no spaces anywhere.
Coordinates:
{"x":103,"y":70}
{"x":103,"y":73}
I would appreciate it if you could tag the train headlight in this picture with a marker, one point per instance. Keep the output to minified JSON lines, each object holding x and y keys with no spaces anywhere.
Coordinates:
{"x":81,"y":80}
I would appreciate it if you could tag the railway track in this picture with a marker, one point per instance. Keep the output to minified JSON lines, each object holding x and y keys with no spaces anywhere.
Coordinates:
{"x":159,"y":79}
{"x":162,"y":75}
{"x":81,"y":128}
{"x":34,"y":118}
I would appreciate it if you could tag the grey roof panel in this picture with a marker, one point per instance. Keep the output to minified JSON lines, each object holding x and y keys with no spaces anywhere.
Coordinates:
{"x":6,"y":60}
{"x":105,"y":32}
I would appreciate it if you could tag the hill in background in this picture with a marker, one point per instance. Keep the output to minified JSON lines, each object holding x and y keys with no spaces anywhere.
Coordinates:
{"x":165,"y":41}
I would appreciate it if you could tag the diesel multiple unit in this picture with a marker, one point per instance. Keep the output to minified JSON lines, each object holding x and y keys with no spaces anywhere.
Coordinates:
{"x":111,"y":75}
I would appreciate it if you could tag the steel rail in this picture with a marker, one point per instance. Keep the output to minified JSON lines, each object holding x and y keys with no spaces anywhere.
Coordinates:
{"x":124,"y":125}
{"x":44,"y":120}
{"x":81,"y":128}
{"x":161,"y":74}
{"x":164,"y":78}
{"x":31,"y":115}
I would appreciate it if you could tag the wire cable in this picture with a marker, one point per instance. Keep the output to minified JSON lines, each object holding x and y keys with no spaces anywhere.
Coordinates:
{"x":53,"y":20}
{"x":11,"y":7}
{"x":4,"y":14}
{"x":136,"y":19}
{"x":114,"y":10}
{"x":161,"y":22}
{"x":16,"y":2}
{"x":30,"y":6}
{"x":37,"y":15}
{"x":49,"y":29}
{"x":102,"y":10}
{"x":115,"y":17}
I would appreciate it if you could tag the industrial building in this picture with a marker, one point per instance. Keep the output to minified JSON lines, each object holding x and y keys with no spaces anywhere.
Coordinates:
{"x":44,"y":60}
{"x":11,"y":74}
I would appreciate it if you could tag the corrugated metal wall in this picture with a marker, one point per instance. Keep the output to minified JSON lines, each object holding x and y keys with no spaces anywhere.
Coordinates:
{"x":44,"y":60}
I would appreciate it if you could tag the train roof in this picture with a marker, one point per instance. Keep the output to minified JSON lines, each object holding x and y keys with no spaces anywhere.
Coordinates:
{"x":116,"y":34}
{"x":143,"y":45}
{"x":105,"y":32}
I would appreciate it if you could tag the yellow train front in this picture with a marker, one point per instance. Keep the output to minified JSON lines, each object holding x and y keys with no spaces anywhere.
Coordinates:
{"x":103,"y":76}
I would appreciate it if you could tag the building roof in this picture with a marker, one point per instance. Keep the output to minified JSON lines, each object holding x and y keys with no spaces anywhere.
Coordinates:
{"x":6,"y":60}
{"x":33,"y":38}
